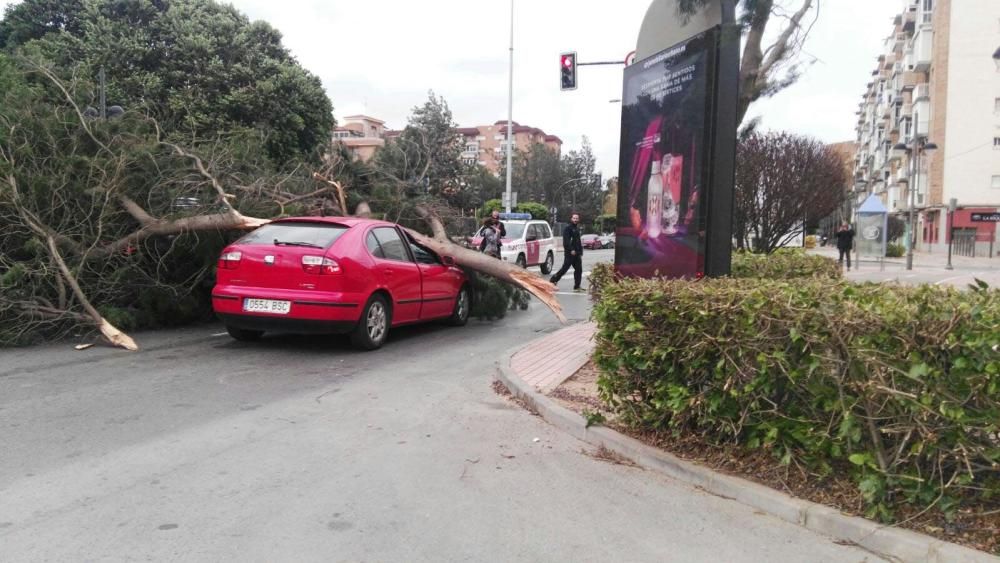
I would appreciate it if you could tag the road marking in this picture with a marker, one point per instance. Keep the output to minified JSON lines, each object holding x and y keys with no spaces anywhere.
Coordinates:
{"x":220,"y":334}
{"x":949,"y":279}
{"x":571,"y":293}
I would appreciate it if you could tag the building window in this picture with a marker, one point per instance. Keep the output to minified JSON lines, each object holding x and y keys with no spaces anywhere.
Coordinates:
{"x":995,"y":182}
{"x":472,"y":147}
{"x":996,"y":142}
{"x":469,"y":161}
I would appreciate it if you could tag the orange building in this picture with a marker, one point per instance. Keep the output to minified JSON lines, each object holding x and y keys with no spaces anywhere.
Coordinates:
{"x":362,"y":135}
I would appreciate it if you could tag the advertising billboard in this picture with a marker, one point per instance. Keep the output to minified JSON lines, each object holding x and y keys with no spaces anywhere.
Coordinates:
{"x":663,"y":172}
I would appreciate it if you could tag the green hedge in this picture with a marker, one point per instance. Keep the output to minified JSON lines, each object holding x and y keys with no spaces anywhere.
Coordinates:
{"x":784,"y":263}
{"x":897,"y":386}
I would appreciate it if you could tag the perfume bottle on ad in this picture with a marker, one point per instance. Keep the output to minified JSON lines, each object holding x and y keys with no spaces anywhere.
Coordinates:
{"x":654,"y":202}
{"x":671,"y":183}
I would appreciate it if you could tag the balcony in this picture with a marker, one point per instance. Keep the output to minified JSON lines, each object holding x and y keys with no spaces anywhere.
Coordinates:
{"x":910,"y":81}
{"x":910,"y":19}
{"x":923,"y":48}
{"x":922,"y":92}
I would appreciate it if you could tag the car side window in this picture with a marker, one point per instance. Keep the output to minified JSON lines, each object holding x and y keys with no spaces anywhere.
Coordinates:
{"x":423,"y":255}
{"x":373,"y":246}
{"x":546,"y":231}
{"x":392,"y":246}
{"x":532,"y":232}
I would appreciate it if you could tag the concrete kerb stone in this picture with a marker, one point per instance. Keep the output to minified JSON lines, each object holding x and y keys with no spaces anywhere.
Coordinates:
{"x":892,"y":543}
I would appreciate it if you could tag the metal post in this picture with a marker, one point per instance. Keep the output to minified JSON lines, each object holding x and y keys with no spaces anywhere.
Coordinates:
{"x":510,"y":109}
{"x":915,"y":185}
{"x":104,"y":103}
{"x":952,"y":203}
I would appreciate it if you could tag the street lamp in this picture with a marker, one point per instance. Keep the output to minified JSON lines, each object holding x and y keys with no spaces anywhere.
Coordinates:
{"x":920,"y":145}
{"x":567,"y":182}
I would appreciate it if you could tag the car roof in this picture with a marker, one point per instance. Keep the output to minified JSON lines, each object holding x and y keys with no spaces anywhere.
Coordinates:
{"x":345,"y":221}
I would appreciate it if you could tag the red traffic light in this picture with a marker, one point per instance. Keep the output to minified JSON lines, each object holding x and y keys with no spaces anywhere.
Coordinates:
{"x":567,"y":71}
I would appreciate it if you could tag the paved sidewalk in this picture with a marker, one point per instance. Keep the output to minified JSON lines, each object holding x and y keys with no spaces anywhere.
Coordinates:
{"x":552,"y":359}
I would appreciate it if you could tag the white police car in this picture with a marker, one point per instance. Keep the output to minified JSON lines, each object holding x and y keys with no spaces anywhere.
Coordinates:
{"x":528,"y":242}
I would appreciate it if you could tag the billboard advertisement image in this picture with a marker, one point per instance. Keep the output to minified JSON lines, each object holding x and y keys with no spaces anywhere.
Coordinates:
{"x":663,"y":173}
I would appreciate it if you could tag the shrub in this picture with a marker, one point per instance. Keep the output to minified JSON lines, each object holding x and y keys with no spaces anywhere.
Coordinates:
{"x":898,"y":387}
{"x":893,"y":250}
{"x":602,"y":274}
{"x":782,"y":264}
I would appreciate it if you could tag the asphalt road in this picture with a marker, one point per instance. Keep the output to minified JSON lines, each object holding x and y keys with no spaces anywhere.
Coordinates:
{"x":199,"y":448}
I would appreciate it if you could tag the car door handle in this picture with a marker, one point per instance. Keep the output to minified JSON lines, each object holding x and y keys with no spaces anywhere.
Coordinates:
{"x":388,"y":272}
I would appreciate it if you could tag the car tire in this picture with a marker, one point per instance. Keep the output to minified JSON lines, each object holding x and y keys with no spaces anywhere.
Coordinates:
{"x":244,"y":335}
{"x":373,"y":326}
{"x":521,"y":261}
{"x":550,"y":261}
{"x":463,"y":305}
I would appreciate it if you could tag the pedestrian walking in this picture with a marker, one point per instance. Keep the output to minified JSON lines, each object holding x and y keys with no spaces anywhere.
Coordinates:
{"x":572,"y":253}
{"x":845,"y":242}
{"x":491,"y":242}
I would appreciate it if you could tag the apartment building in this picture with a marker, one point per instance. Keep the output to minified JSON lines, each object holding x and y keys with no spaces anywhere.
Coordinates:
{"x":936,"y":81}
{"x":362,"y":135}
{"x":486,"y":145}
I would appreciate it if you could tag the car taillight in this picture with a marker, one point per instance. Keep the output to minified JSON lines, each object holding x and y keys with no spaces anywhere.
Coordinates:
{"x":320,"y":265}
{"x":230,"y":260}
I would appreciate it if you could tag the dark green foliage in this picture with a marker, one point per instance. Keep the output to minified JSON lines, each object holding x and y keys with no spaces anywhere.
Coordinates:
{"x":493,"y":298}
{"x":201,"y":68}
{"x":784,"y":263}
{"x":896,"y":386}
{"x":893,"y":250}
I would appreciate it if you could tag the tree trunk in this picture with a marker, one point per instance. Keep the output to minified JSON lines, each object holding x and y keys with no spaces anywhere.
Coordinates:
{"x":541,"y":288}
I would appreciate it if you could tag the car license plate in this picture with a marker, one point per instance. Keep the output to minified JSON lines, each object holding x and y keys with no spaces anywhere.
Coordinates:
{"x":267,"y":306}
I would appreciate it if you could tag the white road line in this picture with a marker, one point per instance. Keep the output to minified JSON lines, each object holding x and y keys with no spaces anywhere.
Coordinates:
{"x":220,"y":334}
{"x":949,"y":279}
{"x":572,"y":293}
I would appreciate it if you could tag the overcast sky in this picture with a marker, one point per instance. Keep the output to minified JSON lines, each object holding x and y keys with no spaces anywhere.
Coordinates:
{"x":380,"y":57}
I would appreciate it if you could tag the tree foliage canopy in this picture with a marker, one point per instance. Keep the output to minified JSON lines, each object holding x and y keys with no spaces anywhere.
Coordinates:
{"x":782,"y":182}
{"x":201,"y":68}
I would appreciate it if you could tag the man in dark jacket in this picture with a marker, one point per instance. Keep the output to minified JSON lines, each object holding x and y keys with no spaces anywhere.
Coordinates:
{"x":498,"y":224}
{"x":845,"y":242}
{"x":572,"y":253}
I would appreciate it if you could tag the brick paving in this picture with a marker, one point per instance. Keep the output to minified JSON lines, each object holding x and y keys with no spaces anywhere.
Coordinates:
{"x":547,"y":362}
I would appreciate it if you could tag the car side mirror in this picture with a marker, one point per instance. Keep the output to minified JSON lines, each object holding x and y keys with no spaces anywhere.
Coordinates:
{"x":448,"y":260}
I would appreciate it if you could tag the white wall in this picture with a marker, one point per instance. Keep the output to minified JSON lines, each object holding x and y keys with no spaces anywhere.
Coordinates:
{"x":973,"y":85}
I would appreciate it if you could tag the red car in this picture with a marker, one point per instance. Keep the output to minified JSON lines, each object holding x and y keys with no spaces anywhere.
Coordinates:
{"x":335,"y":275}
{"x":591,"y":242}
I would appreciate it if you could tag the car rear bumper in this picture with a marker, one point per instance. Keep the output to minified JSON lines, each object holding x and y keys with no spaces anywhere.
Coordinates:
{"x":273,"y":323}
{"x":309,"y":306}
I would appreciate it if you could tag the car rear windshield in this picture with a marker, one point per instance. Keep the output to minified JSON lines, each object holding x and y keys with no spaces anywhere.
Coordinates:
{"x":319,"y":235}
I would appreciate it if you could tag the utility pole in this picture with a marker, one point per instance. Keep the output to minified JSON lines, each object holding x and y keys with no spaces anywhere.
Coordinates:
{"x":510,"y":111}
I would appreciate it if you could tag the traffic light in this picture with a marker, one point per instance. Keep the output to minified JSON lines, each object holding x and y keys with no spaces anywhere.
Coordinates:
{"x":567,"y":71}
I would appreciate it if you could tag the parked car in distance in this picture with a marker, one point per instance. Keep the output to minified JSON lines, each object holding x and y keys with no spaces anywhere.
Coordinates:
{"x":528,"y":243}
{"x":591,"y":242}
{"x":607,"y":240}
{"x":335,"y":275}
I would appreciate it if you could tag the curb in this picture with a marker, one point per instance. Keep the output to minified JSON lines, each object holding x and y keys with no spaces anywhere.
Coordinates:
{"x":892,"y":543}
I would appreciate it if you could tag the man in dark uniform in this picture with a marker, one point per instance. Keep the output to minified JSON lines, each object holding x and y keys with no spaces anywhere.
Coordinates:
{"x":498,"y":224}
{"x":845,"y":241}
{"x":572,"y":253}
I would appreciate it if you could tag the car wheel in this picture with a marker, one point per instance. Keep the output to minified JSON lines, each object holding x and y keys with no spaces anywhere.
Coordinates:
{"x":547,"y":265}
{"x":463,"y":305}
{"x":373,"y":327}
{"x":244,"y":335}
{"x":521,"y":261}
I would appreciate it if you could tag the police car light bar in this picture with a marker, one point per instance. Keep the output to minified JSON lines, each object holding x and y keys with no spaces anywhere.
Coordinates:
{"x":516,"y":216}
